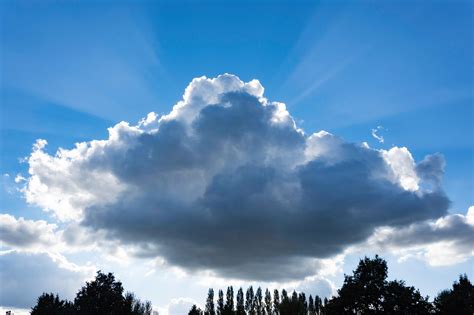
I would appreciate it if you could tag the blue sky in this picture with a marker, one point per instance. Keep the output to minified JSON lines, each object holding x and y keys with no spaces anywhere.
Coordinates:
{"x":70,"y":70}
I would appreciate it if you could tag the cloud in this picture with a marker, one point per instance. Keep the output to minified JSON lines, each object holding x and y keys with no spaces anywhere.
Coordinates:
{"x":24,"y":277}
{"x":226,"y":182}
{"x":375,"y":134}
{"x":445,"y":241}
{"x":26,"y":234}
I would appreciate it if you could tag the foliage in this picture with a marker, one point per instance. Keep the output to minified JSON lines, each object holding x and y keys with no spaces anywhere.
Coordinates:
{"x":102,"y":296}
{"x":458,"y":300}
{"x":366,"y":291}
{"x":49,"y":304}
{"x":195,"y":311}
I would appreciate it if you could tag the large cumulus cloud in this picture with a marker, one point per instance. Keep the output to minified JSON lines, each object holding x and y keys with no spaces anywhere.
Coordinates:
{"x":227,"y":182}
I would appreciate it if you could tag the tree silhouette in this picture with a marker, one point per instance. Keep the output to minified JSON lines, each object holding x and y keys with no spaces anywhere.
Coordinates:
{"x":318,"y":305}
{"x":400,"y":299}
{"x":240,"y":308}
{"x":220,"y":303}
{"x":458,"y":300}
{"x":102,"y":296}
{"x":249,"y":302}
{"x":210,"y":309}
{"x":268,"y":302}
{"x":368,"y":292}
{"x":229,"y":302}
{"x":311,"y":306}
{"x":258,"y":302}
{"x":276,"y":302}
{"x":49,"y":304}
{"x":195,"y":310}
{"x":302,"y":307}
{"x":136,"y":306}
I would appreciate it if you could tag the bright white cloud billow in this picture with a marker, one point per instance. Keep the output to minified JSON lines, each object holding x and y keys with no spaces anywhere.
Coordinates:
{"x":226,"y":182}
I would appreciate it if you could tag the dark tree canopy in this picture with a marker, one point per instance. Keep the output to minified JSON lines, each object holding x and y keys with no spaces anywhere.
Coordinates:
{"x":102,"y":296}
{"x":195,"y":311}
{"x":49,"y":304}
{"x":458,"y":300}
{"x":367,"y":291}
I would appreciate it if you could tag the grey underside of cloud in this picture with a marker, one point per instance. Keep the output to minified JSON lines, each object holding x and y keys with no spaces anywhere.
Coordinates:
{"x":24,"y":277}
{"x":232,"y":188}
{"x":456,"y":229}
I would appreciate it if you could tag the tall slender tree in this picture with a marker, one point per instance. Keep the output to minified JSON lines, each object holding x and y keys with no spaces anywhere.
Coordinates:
{"x":229,"y":301}
{"x":249,"y":302}
{"x":240,"y":307}
{"x":258,"y":302}
{"x":268,"y":302}
{"x":285,"y":304}
{"x":311,"y":310}
{"x":318,"y":305}
{"x":220,"y":303}
{"x":302,"y":304}
{"x":276,"y":302}
{"x":210,"y":309}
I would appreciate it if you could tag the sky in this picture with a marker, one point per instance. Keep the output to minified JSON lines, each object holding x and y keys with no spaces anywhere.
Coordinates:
{"x":184,"y":145}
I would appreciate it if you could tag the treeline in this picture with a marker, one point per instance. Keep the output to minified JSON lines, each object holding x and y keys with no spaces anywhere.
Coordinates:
{"x":103,"y":296}
{"x":367,"y":291}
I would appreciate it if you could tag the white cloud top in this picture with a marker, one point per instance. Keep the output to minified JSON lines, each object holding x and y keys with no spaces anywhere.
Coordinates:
{"x":227,"y":182}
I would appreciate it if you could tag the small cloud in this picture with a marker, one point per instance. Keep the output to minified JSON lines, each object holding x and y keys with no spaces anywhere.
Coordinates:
{"x":376,"y":135}
{"x":19,"y":178}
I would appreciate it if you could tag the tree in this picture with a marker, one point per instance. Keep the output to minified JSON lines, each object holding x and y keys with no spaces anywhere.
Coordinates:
{"x":229,"y":302}
{"x":318,"y":304}
{"x":195,"y":310}
{"x":49,"y":304}
{"x":276,"y":302}
{"x":220,"y":303}
{"x":210,"y":309}
{"x":103,"y":296}
{"x":258,"y":302}
{"x":136,"y":306}
{"x":311,"y":309}
{"x":249,"y":302}
{"x":368,"y":292}
{"x":400,"y":299}
{"x":458,"y":300}
{"x":284,"y":308}
{"x":240,"y":308}
{"x":268,"y":302}
{"x":302,"y":307}
{"x":362,"y":292}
